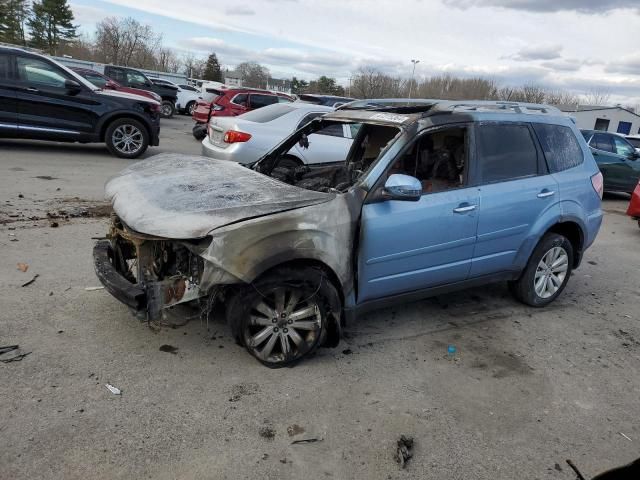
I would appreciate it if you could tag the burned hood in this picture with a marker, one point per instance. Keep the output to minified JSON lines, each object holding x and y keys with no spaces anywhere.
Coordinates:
{"x":182,"y":196}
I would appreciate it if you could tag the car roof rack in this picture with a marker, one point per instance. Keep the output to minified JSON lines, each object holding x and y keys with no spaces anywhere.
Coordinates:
{"x":496,"y":105}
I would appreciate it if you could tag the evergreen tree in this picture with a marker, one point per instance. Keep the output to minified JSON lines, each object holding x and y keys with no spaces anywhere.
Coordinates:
{"x":212,"y":69}
{"x":13,"y":16}
{"x":50,"y":24}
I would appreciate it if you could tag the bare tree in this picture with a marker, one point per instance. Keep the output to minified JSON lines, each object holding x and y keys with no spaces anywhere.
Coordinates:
{"x":597,"y":96}
{"x":125,"y":41}
{"x":253,"y":74}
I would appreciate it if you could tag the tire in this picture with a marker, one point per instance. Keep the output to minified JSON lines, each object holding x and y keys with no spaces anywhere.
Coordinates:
{"x":126,"y":138}
{"x":532,"y":288}
{"x":199,"y":131}
{"x":167,"y":109}
{"x":189,"y":108}
{"x":262,"y":320}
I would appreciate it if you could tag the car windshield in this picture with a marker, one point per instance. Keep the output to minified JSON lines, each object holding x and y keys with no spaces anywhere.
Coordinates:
{"x":268,"y":113}
{"x":634,"y":141}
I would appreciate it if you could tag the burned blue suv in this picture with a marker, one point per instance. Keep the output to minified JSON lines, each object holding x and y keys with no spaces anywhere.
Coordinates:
{"x":433,"y":196}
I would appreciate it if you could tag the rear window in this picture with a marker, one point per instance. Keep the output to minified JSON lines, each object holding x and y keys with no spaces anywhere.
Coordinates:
{"x":506,"y":152}
{"x":267,"y":114}
{"x":259,"y":101}
{"x":559,"y":145}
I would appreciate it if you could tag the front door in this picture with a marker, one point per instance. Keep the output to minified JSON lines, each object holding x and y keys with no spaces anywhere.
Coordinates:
{"x":409,"y":246}
{"x":8,"y":108}
{"x":616,"y":160}
{"x":516,"y":190}
{"x":46,"y":107}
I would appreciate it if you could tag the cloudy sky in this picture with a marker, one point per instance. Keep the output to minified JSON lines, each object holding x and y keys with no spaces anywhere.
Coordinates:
{"x":578,"y":45}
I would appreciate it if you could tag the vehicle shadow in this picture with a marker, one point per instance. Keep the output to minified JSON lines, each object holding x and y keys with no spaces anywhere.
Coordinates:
{"x":37,"y":147}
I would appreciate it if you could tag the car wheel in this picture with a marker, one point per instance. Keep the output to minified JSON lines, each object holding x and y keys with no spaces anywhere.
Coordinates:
{"x":282,"y":318}
{"x":191,"y":106}
{"x":126,"y":138}
{"x":199,"y":131}
{"x":168,"y":109}
{"x":546,"y":273}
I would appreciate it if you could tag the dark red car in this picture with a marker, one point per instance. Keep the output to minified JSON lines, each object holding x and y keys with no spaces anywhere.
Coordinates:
{"x":102,"y":81}
{"x":634,"y":206}
{"x":230,"y":103}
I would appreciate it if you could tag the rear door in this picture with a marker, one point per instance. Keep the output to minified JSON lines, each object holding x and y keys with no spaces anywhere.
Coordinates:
{"x":516,"y":191}
{"x":46,"y":107}
{"x":8,"y":105}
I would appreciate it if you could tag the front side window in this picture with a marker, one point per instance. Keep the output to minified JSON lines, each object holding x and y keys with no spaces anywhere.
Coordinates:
{"x":623,"y":147}
{"x":603,"y":142}
{"x":559,"y":145}
{"x":259,"y":101}
{"x":439,"y":160}
{"x":506,"y":152}
{"x":135,"y":78}
{"x":40,"y":73}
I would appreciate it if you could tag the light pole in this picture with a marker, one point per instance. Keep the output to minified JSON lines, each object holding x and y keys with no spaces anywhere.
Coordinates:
{"x":415,"y":62}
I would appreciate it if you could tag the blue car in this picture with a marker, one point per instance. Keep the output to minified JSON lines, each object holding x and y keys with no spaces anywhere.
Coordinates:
{"x":432,"y":196}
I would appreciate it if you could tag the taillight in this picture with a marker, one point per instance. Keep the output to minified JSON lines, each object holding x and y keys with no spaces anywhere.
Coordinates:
{"x":598,"y":184}
{"x":233,"y":136}
{"x":155,"y":107}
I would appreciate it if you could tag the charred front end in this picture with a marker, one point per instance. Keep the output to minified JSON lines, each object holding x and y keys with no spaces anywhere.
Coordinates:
{"x":148,"y":273}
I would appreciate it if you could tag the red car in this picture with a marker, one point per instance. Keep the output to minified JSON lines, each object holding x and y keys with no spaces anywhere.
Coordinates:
{"x":102,"y":81}
{"x":634,"y":206}
{"x":230,"y":103}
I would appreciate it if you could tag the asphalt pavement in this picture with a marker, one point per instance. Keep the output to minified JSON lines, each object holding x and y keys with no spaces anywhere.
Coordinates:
{"x":526,"y":389}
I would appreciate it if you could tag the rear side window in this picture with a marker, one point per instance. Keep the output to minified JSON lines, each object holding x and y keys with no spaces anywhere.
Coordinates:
{"x":4,"y":67}
{"x":264,"y":115}
{"x":259,"y":101}
{"x":603,"y":142}
{"x":560,"y":146}
{"x":506,"y":152}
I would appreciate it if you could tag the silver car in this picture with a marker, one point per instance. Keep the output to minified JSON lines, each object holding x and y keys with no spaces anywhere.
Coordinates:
{"x":247,"y":137}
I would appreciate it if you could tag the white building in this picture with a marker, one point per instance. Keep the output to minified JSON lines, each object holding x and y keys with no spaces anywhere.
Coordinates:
{"x":232,"y":79}
{"x":608,"y":119}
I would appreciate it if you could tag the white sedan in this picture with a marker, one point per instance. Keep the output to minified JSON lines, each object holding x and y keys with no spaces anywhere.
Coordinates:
{"x":247,"y":137}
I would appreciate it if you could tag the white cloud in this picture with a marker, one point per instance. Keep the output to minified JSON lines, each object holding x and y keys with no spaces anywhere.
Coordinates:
{"x":538,"y":52}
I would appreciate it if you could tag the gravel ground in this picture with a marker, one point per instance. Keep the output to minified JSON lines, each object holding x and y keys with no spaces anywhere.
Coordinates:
{"x":526,"y":389}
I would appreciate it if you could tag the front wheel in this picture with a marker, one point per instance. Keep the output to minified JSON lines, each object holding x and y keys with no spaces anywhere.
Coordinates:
{"x":167,"y":109}
{"x":283,"y":317}
{"x":191,"y":106}
{"x":546,"y":273}
{"x":127,"y":138}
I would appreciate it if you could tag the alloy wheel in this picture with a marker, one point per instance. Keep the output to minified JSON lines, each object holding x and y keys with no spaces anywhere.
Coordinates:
{"x":166,"y":109}
{"x":127,"y":139}
{"x":282,"y":325}
{"x":551,"y":272}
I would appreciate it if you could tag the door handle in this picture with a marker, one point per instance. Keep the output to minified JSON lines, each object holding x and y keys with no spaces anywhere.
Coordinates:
{"x":465,"y":208}
{"x":546,"y":193}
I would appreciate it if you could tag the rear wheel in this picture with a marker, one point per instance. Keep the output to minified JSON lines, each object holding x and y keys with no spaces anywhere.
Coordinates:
{"x":546,"y":273}
{"x":127,"y":138}
{"x":191,"y":106}
{"x":168,"y":109}
{"x":283,"y":317}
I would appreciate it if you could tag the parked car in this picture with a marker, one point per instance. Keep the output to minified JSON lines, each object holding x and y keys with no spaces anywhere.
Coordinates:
{"x":634,"y":140}
{"x":430,"y":199}
{"x":247,"y":137}
{"x":230,"y":103}
{"x":327,"y":100}
{"x":43,"y":100}
{"x":132,"y":78}
{"x":634,"y":205}
{"x":616,"y":158}
{"x":186,"y":99}
{"x":102,"y":81}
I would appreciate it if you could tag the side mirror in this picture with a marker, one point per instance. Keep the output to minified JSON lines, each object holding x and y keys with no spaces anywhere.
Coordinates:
{"x":304,"y":141}
{"x":72,"y":86}
{"x":402,"y":187}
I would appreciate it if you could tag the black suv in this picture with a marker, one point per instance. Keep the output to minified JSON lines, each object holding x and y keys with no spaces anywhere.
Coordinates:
{"x":129,"y":77}
{"x":42,"y":100}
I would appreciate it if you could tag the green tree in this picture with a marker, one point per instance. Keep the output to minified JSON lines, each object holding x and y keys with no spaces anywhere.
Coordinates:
{"x":13,"y":17}
{"x":326,"y":85}
{"x":212,"y":69}
{"x":298,"y":86}
{"x":50,"y":24}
